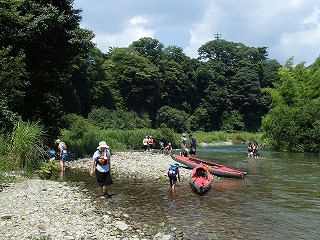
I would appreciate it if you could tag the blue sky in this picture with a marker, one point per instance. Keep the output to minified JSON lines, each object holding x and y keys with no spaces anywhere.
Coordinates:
{"x":286,"y":27}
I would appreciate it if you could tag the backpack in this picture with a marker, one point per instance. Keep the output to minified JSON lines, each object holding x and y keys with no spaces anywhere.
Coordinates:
{"x":172,"y":172}
{"x":193,"y":142}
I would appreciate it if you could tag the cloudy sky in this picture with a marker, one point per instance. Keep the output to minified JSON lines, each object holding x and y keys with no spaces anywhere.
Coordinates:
{"x":286,"y":27}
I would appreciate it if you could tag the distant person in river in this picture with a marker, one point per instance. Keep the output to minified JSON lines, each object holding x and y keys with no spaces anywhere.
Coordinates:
{"x":255,"y":150}
{"x":193,"y":146}
{"x":183,"y":141}
{"x":101,"y":164}
{"x":150,"y":144}
{"x":174,"y":175}
{"x":250,"y":150}
{"x":169,"y":148}
{"x":63,"y":153}
{"x":145,"y":143}
{"x":184,"y":146}
{"x":161,"y":144}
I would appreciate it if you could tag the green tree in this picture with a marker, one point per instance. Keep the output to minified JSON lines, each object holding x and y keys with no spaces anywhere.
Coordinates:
{"x":149,"y":48}
{"x":89,"y":80}
{"x":293,"y":121}
{"x":173,"y":118}
{"x":12,"y":84}
{"x":117,"y":119}
{"x":235,"y":81}
{"x":48,"y":35}
{"x":132,"y":80}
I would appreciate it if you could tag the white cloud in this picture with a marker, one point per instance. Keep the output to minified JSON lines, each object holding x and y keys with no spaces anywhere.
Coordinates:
{"x":204,"y":31}
{"x":133,"y":30}
{"x":286,"y":28}
{"x":313,"y":18}
{"x":138,"y":20}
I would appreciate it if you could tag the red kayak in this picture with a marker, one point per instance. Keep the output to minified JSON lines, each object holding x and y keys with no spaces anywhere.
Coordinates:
{"x":200,"y":179}
{"x":214,"y":168}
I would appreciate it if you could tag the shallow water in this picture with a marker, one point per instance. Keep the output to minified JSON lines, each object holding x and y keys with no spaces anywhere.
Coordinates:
{"x":279,"y":198}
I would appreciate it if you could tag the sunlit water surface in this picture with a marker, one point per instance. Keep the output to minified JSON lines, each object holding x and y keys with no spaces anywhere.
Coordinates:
{"x":279,"y":198}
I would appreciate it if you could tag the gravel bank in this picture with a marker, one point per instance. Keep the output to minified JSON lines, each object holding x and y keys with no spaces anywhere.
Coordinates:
{"x":132,"y":164}
{"x":42,"y":209}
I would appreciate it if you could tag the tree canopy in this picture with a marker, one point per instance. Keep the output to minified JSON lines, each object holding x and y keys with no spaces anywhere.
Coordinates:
{"x":50,"y":68}
{"x":293,"y":123}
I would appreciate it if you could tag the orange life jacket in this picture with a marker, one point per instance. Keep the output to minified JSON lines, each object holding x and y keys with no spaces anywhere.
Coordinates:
{"x":102,"y":160}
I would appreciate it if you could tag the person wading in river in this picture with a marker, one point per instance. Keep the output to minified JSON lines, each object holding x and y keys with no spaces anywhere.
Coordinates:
{"x":174,"y":175}
{"x":102,"y":165}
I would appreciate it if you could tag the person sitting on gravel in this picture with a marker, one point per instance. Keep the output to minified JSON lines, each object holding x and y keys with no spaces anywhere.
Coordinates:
{"x":173,"y":173}
{"x":101,"y":164}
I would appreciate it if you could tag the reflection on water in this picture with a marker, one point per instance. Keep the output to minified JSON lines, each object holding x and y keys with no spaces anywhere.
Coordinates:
{"x":279,"y":199}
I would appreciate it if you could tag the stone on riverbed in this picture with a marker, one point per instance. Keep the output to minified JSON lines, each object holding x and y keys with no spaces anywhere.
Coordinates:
{"x":42,"y":209}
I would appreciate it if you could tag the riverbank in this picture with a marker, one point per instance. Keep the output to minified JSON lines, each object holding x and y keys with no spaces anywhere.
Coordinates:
{"x":138,"y":165}
{"x":42,"y":209}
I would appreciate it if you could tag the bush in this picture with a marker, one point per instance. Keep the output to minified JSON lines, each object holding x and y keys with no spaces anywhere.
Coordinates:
{"x":117,"y":119}
{"x":173,"y":118}
{"x":26,"y":147}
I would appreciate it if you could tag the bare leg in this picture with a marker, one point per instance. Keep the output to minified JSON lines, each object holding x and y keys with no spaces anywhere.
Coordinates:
{"x":107,"y":190}
{"x":100,"y":191}
{"x":62,"y":168}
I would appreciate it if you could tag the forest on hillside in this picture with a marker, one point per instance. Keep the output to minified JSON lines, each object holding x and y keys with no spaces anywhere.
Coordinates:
{"x":49,"y":68}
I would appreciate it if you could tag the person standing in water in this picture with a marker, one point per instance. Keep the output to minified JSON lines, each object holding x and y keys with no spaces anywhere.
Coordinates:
{"x":101,"y":164}
{"x":63,"y":153}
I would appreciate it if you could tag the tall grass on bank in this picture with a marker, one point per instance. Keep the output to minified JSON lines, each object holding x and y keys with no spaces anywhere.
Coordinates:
{"x":82,"y":137}
{"x":85,"y":144}
{"x":24,"y":149}
{"x":235,"y":138}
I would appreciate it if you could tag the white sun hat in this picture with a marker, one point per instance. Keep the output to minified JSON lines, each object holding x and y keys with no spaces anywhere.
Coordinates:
{"x":102,"y":144}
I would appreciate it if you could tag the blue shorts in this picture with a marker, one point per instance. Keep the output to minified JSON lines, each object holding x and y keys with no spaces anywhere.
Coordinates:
{"x":64,"y":157}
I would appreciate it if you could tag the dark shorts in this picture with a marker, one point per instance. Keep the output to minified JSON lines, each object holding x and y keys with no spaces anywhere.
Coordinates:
{"x":174,"y":179}
{"x":64,"y":157}
{"x":192,"y":151}
{"x":103,"y":178}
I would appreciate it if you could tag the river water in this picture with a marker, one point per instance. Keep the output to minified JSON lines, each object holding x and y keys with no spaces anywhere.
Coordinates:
{"x":279,"y":198}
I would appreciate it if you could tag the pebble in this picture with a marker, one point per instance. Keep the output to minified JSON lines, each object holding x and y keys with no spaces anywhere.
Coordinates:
{"x":132,"y":164}
{"x":44,"y":209}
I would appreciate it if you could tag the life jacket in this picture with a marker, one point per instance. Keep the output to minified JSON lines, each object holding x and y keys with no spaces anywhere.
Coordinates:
{"x":103,"y":160}
{"x":150,"y":140}
{"x":145,"y":141}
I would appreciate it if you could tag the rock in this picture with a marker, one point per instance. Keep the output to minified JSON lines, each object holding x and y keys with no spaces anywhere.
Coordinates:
{"x":121,"y":225}
{"x":42,"y":209}
{"x":161,"y":236}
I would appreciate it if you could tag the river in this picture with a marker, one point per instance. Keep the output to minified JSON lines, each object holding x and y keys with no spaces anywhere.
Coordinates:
{"x":279,"y":198}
